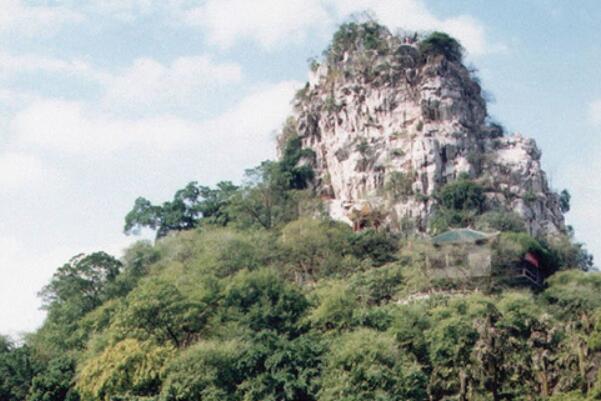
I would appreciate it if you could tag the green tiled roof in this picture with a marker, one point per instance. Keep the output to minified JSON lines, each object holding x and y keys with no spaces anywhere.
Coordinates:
{"x":460,"y":236}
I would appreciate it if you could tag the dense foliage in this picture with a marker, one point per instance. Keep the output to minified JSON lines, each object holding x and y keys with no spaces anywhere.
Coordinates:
{"x":441,"y":43}
{"x":252,"y":293}
{"x":305,"y":310}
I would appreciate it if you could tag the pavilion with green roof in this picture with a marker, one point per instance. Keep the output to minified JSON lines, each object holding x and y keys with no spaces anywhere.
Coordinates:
{"x":461,"y":236}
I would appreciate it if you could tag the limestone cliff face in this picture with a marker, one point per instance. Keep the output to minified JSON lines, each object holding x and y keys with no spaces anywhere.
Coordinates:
{"x":390,"y":125}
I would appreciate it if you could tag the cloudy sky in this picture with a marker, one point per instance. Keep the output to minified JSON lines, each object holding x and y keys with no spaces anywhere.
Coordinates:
{"x":105,"y":100}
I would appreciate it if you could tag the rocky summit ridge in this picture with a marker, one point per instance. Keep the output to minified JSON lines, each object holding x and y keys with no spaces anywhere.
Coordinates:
{"x":391,"y":119}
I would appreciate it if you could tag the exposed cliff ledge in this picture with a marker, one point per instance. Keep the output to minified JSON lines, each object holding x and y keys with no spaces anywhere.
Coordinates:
{"x":390,"y":123}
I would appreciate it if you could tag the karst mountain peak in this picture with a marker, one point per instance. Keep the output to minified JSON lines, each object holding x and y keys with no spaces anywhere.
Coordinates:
{"x":386,"y":121}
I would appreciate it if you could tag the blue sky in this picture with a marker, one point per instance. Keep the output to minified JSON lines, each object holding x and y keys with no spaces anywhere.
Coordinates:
{"x":104,"y":101}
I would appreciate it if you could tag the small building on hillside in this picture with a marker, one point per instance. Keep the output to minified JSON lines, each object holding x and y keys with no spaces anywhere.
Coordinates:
{"x":461,"y":253}
{"x":468,"y":254}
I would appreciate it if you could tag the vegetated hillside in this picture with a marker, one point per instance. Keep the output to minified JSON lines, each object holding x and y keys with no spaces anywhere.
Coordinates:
{"x":254,"y":292}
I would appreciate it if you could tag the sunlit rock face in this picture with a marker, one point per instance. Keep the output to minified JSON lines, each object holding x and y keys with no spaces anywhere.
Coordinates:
{"x":389,"y":126}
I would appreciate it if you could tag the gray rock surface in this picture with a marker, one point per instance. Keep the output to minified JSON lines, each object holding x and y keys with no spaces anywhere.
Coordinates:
{"x":377,"y":119}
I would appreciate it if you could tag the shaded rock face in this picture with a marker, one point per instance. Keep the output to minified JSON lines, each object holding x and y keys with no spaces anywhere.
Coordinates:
{"x":390,"y":126}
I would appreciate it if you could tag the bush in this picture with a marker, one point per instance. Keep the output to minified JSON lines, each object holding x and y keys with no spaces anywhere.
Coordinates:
{"x":379,"y":247}
{"x":444,"y":219}
{"x":399,"y":185}
{"x":264,"y":301}
{"x":204,"y":371}
{"x":377,"y":286}
{"x":336,"y":305}
{"x":314,"y":248}
{"x":574,"y":292}
{"x":278,"y":368}
{"x":440,"y":43}
{"x":129,"y":368}
{"x":564,"y":201}
{"x":500,"y":221}
{"x":367,"y":366}
{"x":352,"y":36}
{"x":462,"y":195}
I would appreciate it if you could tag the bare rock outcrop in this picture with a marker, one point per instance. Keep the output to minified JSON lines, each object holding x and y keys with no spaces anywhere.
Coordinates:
{"x":390,"y":125}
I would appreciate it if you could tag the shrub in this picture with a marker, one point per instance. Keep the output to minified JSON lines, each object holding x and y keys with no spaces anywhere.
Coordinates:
{"x":353,"y":36}
{"x":129,"y":368}
{"x":376,"y":286}
{"x":574,"y":292}
{"x":501,"y":221}
{"x":564,"y":201}
{"x":379,"y":247}
{"x":264,"y":301}
{"x":462,"y":195}
{"x":440,"y":43}
{"x":399,"y":185}
{"x":367,"y":366}
{"x":363,"y":148}
{"x":335,"y":309}
{"x":204,"y":371}
{"x":314,"y":248}
{"x":529,"y":196}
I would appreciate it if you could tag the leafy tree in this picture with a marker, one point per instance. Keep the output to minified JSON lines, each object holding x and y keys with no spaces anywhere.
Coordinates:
{"x":335,"y":308}
{"x":17,"y":369}
{"x":293,"y":175}
{"x":564,"y":201}
{"x":462,"y":195}
{"x":136,"y":260}
{"x":128,"y":368}
{"x":440,"y":43}
{"x":277,"y":368}
{"x":408,"y":327}
{"x":215,"y":204}
{"x":451,"y":340}
{"x":264,"y":201}
{"x":205,"y":371}
{"x":264,"y":301}
{"x":459,"y":203}
{"x":574,"y":292}
{"x":314,"y":248}
{"x":566,"y":253}
{"x":159,"y":311}
{"x":378,"y":246}
{"x":184,"y":212}
{"x":84,"y":282}
{"x":378,"y":286}
{"x":367,"y":365}
{"x":55,"y":382}
{"x":501,"y":221}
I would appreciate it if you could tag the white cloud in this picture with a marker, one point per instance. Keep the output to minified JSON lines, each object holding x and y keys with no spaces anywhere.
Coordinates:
{"x":11,"y":64}
{"x":122,"y":9}
{"x":148,"y":82}
{"x":247,"y":131}
{"x":73,"y":127}
{"x":594,"y":112}
{"x":275,"y":22}
{"x":145,"y":85}
{"x":269,"y":22}
{"x":17,"y":16}
{"x":20,"y":170}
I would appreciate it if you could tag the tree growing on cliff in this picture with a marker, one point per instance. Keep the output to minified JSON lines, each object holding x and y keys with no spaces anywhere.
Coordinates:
{"x":184,"y":212}
{"x":441,"y":43}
